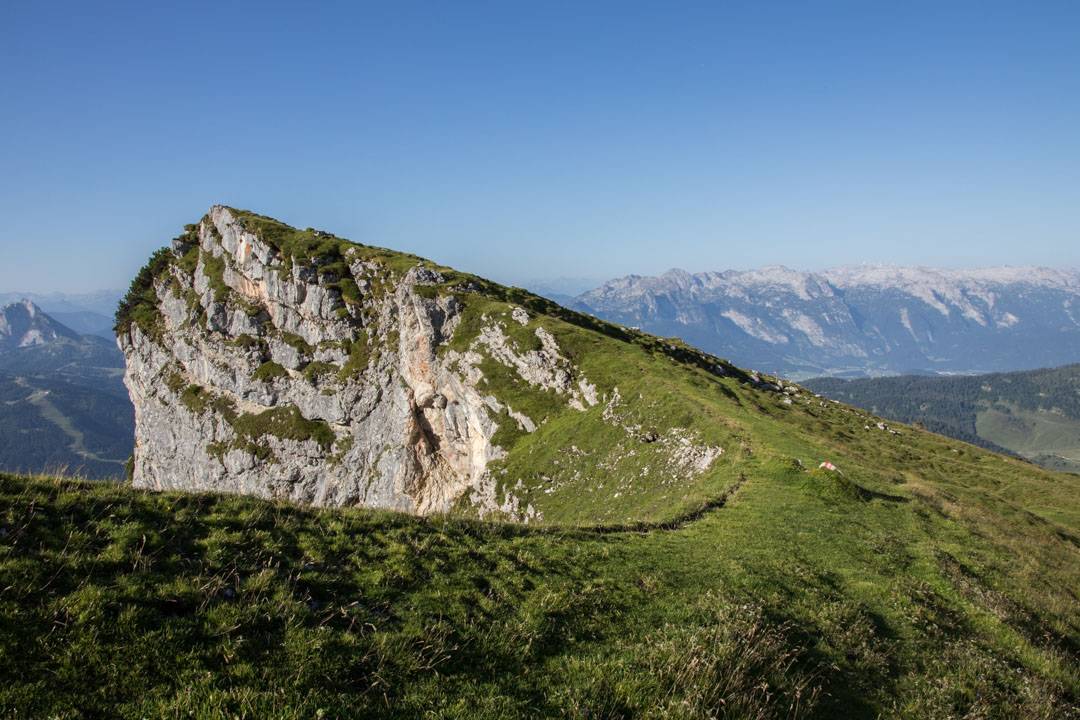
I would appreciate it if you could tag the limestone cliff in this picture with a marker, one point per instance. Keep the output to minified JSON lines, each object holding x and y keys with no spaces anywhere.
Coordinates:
{"x":293,"y":364}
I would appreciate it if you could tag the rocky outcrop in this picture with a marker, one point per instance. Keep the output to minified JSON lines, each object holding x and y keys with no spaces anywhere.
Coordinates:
{"x":324,"y":378}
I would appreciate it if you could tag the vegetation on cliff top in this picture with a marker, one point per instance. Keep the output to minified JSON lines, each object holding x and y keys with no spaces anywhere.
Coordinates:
{"x":329,"y":256}
{"x":139,"y":304}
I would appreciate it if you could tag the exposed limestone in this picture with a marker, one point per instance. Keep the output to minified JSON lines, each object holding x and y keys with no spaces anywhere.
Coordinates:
{"x":545,"y":368}
{"x":265,"y":381}
{"x":684,"y":453}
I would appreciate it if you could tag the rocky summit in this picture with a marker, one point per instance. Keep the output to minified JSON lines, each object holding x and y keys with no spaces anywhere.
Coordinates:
{"x":23,"y":324}
{"x":286,"y":363}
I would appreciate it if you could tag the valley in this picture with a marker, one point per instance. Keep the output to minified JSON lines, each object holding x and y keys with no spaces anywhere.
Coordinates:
{"x":1033,"y":414}
{"x":63,"y":405}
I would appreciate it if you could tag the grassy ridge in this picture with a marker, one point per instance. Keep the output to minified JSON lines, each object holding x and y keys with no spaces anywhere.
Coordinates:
{"x":927,"y":578}
{"x":806,"y":595}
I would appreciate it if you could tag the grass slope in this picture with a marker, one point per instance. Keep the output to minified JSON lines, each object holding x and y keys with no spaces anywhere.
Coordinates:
{"x":950,"y":593}
{"x":927,"y":578}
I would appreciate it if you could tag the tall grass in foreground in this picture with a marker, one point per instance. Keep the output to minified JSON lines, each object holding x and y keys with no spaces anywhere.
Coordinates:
{"x":796,"y":599}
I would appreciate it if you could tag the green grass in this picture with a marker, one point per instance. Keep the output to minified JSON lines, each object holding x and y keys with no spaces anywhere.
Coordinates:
{"x":796,"y":598}
{"x":269,"y":371}
{"x":284,"y":422}
{"x":1034,"y":434}
{"x":927,"y":579}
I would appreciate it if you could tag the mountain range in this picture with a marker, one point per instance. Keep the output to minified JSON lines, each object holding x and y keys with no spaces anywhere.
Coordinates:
{"x":857,"y":321}
{"x":591,"y":521}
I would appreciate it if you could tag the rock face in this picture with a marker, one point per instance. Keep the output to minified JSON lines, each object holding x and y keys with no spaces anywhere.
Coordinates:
{"x":257,"y":371}
{"x":286,"y":363}
{"x":858,"y":321}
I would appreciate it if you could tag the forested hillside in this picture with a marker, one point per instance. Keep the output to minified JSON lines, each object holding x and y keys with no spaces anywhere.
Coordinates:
{"x":63,"y":405}
{"x":1034,"y":414}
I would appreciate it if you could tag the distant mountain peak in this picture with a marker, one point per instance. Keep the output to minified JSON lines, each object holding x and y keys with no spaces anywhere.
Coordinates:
{"x":24,"y":324}
{"x":894,"y":275}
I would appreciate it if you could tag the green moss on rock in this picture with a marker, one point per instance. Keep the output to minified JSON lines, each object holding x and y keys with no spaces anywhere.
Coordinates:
{"x":195,"y":398}
{"x":269,"y":371}
{"x":189,"y":260}
{"x":175,"y":382}
{"x":214,"y":269}
{"x":284,"y":422}
{"x":360,"y":356}
{"x":198,"y":400}
{"x":296,"y":342}
{"x":314,"y":370}
{"x":261,"y":452}
{"x":248,"y":342}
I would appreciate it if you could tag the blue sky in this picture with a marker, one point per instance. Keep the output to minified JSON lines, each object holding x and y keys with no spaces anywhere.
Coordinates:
{"x":545,"y":139}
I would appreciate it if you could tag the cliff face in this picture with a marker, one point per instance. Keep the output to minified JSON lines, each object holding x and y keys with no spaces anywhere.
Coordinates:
{"x":286,"y":363}
{"x":264,"y":380}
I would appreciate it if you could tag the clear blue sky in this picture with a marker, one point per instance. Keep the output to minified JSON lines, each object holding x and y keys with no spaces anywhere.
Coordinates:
{"x":527,"y":140}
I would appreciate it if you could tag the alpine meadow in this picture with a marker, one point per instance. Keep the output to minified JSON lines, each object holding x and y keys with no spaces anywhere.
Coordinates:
{"x":603,"y":523}
{"x":527,"y":361}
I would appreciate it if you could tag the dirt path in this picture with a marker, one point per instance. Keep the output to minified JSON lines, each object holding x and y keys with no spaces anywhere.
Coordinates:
{"x":676,"y":523}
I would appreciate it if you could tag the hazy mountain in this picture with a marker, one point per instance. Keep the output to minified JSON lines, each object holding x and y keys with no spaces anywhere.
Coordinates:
{"x":63,"y":405}
{"x":868,"y":320}
{"x":1034,"y":414}
{"x":23,"y":324}
{"x":85,"y":322}
{"x":101,"y":302}
{"x":85,"y":313}
{"x":562,"y":290}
